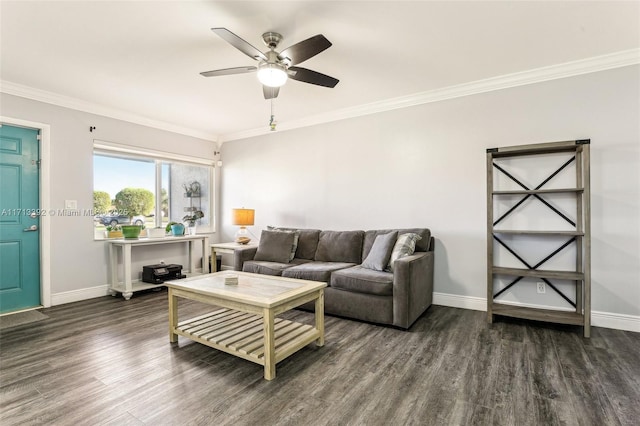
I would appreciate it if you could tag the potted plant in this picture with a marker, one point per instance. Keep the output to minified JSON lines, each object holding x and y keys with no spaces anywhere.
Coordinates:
{"x":131,"y":232}
{"x":191,"y":219}
{"x":114,"y":231}
{"x":175,"y":228}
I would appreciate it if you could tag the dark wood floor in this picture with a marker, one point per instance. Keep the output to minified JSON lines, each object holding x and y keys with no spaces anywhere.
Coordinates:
{"x":106,"y":361}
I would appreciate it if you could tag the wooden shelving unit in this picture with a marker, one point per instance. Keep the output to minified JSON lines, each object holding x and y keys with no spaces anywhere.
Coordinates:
{"x":580,"y":313}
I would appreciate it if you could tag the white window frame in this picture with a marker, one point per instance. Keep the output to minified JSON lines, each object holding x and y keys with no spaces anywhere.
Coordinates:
{"x":112,"y":148}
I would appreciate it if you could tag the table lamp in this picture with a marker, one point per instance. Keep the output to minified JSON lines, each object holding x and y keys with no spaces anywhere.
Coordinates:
{"x":243,"y":218}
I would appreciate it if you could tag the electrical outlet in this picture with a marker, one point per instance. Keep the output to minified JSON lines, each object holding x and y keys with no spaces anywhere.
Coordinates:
{"x":542,"y":288}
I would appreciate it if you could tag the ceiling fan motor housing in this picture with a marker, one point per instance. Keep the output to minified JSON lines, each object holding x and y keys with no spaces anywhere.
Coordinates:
{"x":271,"y":39}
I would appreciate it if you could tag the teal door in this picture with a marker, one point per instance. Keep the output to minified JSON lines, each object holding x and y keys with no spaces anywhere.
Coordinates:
{"x":19,"y":219}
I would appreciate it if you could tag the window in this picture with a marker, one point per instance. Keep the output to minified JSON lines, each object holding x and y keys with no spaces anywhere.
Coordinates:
{"x":150,"y":188}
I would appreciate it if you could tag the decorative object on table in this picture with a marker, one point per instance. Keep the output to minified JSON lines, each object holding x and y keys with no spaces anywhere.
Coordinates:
{"x":157,"y":232}
{"x":131,"y":232}
{"x":231,"y":279}
{"x":114,"y":231}
{"x":191,"y":219}
{"x":177,"y":229}
{"x":243,"y":218}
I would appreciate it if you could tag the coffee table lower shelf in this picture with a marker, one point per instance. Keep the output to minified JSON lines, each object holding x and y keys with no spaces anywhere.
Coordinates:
{"x":242,"y":334}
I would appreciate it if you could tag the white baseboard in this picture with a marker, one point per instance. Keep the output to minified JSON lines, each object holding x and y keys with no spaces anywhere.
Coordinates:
{"x":456,"y":301}
{"x":598,"y":318}
{"x":78,"y":295}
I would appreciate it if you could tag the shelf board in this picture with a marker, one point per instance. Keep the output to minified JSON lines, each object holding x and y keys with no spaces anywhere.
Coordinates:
{"x":540,"y":191}
{"x":242,"y":334}
{"x":538,"y":273}
{"x":545,"y":233}
{"x":536,"y":314}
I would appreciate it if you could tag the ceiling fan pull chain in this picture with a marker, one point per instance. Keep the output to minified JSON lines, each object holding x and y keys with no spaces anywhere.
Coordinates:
{"x":272,"y":121}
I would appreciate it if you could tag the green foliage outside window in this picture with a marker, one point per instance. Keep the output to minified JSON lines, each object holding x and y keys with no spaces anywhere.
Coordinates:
{"x":101,"y":202}
{"x":135,"y":201}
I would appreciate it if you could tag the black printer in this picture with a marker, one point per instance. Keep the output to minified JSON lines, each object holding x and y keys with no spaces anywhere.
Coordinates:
{"x":157,"y":274}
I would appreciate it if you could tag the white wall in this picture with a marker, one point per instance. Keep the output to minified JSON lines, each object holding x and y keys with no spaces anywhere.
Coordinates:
{"x":425,"y":166}
{"x":78,"y":263}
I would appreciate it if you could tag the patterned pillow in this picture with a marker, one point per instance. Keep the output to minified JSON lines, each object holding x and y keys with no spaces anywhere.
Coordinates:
{"x":405,"y":246}
{"x":296,"y":237}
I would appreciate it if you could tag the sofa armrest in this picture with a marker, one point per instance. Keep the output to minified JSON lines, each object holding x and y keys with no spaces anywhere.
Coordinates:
{"x":241,"y":255}
{"x":412,"y":287}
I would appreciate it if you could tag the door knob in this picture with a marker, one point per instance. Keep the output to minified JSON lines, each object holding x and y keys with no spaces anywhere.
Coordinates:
{"x":31,"y":228}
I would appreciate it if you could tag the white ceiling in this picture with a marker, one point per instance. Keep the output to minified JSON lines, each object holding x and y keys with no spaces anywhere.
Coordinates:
{"x":144,"y":57}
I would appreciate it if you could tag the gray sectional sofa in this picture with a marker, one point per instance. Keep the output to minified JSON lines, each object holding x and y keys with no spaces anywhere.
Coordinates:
{"x":357,"y":286}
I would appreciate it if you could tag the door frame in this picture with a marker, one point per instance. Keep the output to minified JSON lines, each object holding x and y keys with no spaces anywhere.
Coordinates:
{"x":45,"y":202}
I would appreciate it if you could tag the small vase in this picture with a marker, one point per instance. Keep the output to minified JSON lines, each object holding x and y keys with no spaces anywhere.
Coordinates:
{"x":191,"y":230}
{"x":177,"y":229}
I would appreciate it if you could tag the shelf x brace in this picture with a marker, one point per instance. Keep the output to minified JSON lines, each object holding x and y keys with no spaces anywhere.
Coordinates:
{"x":555,"y":210}
{"x":526,"y":197}
{"x":534,"y":267}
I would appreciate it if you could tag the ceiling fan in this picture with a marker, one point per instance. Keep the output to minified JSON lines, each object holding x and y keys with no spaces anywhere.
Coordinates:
{"x":274,"y":68}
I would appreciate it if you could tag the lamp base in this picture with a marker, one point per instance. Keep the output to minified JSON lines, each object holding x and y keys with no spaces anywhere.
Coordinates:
{"x":242,"y":236}
{"x":243,"y":240}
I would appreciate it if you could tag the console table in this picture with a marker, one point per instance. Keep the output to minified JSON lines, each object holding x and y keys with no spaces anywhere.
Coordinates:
{"x":128,"y":287}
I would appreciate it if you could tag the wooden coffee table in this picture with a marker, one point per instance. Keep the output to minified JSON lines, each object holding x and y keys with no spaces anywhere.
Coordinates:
{"x":245,"y":325}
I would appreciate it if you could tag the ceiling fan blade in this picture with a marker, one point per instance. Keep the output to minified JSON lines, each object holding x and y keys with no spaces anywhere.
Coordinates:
{"x":270,"y":92}
{"x":304,"y":50}
{"x":239,"y":43}
{"x":228,"y":71}
{"x":312,"y":77}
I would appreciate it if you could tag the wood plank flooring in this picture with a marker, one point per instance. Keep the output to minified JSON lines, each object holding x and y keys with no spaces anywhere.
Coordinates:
{"x":107,"y":361}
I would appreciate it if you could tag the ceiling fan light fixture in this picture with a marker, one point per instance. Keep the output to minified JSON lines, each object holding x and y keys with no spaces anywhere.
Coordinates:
{"x":272,"y":75}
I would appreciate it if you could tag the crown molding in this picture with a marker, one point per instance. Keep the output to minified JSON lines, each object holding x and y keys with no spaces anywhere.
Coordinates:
{"x":22,"y":91}
{"x":569,"y":69}
{"x":537,"y":75}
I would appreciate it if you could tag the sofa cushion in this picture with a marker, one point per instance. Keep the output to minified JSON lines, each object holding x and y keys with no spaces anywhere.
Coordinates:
{"x":296,"y":236}
{"x":380,"y":252}
{"x":421,"y":245}
{"x":275,"y":246}
{"x":340,"y":246}
{"x":265,"y":268}
{"x":315,"y":271}
{"x":363,"y":280}
{"x":269,"y":268}
{"x":405,"y":246}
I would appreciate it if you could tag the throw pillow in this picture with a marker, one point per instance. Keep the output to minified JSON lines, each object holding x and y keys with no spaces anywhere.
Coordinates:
{"x":380,"y":253}
{"x":405,"y":246}
{"x":274,"y":246}
{"x":296,"y":237}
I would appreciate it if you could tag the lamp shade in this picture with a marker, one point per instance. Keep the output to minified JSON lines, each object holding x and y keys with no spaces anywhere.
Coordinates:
{"x":243,"y":217}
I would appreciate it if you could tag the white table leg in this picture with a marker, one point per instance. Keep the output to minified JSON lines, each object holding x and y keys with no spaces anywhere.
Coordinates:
{"x":205,"y":255}
{"x":113,"y":268}
{"x":214,"y":261}
{"x":126,"y":262}
{"x":192,"y":264}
